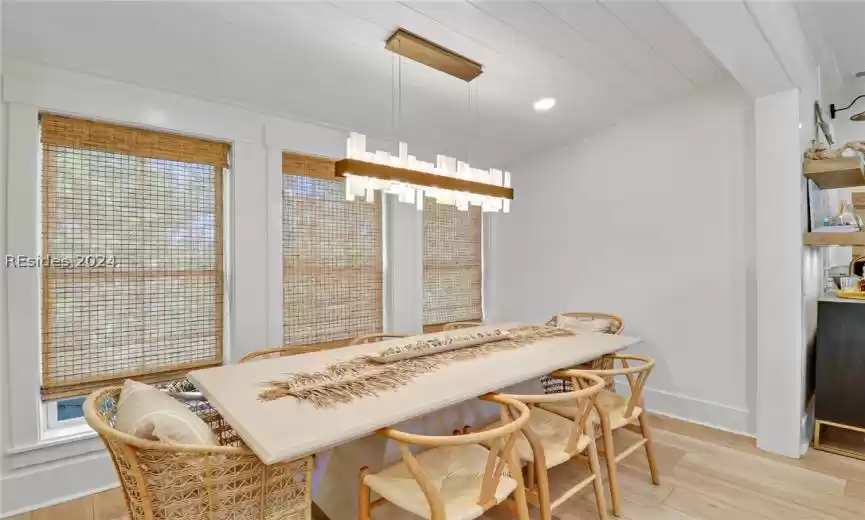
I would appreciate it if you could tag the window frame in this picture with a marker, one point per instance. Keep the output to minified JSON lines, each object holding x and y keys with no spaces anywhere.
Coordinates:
{"x":52,"y":423}
{"x":323,"y":174}
{"x":485,"y":221}
{"x":34,"y":433}
{"x":55,"y":136}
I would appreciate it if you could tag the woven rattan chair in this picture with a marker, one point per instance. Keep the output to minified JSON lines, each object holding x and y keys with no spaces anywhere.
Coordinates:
{"x":549,"y":440}
{"x":279,"y":352}
{"x":617,"y":325}
{"x":614,"y":411}
{"x":190,"y":482}
{"x":372,"y":338}
{"x":461,"y":325}
{"x":457,"y":478}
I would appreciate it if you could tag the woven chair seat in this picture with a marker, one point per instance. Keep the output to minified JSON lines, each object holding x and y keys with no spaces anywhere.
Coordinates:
{"x":553,"y":431}
{"x":616,"y":404}
{"x":456,"y":471}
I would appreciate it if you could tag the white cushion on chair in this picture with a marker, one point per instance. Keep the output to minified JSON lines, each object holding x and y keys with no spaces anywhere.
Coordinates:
{"x":615,"y":404}
{"x":457,"y":472}
{"x":553,"y":431}
{"x":148,"y":413}
{"x":584,"y":323}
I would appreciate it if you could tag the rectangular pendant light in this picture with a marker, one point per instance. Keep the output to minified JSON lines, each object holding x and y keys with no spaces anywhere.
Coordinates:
{"x":418,"y":178}
{"x":433,"y":55}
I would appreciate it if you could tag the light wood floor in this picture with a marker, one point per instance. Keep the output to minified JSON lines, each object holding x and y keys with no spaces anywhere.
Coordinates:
{"x":705,"y":475}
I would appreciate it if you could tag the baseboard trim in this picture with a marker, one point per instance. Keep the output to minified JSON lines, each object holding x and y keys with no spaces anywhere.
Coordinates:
{"x":699,"y":411}
{"x":47,"y":485}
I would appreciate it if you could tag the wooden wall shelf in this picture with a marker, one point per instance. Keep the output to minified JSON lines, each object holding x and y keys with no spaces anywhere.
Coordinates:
{"x":829,"y":174}
{"x":834,"y":239}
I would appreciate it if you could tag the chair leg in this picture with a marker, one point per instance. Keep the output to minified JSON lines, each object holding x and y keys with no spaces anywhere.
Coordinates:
{"x":520,"y":492}
{"x":595,"y":466}
{"x":363,"y":502}
{"x":650,"y":450}
{"x":610,"y":457}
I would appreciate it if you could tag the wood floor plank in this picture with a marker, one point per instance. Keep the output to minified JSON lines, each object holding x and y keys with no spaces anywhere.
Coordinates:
{"x":855,"y":489}
{"x":705,"y":475}
{"x":80,"y":509}
{"x":704,"y":507}
{"x":109,"y":505}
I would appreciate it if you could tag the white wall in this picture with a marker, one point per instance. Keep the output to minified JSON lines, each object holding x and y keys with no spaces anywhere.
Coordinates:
{"x":650,"y":219}
{"x":39,"y":468}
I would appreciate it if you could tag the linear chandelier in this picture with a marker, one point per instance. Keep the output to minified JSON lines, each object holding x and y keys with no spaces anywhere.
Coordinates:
{"x":448,"y":181}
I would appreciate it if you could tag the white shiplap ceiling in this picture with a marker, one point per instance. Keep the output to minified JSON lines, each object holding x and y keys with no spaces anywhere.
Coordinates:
{"x":835,"y":30}
{"x":325,"y":62}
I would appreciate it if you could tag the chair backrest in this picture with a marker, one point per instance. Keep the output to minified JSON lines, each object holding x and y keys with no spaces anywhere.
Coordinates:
{"x":636,"y":376}
{"x":617,"y":323}
{"x":515,"y":416}
{"x":461,"y":325}
{"x":279,"y":352}
{"x":372,"y":338}
{"x":587,"y":387}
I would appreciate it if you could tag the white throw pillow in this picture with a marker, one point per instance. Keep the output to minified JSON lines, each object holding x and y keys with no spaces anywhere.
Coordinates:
{"x":148,"y":413}
{"x":584,"y":324}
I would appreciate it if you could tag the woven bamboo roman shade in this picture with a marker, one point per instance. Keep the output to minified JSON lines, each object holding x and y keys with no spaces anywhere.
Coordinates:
{"x":332,"y":257}
{"x":133,"y":223}
{"x":452,"y":264}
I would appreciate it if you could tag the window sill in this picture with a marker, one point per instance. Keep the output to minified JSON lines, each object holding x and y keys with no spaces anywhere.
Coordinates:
{"x":61,"y":443}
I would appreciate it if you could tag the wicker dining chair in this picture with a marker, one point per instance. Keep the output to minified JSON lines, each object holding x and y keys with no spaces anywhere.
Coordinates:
{"x":372,"y":338}
{"x":168,"y":481}
{"x":614,"y":411}
{"x":457,"y":478}
{"x":614,"y":325}
{"x":550,"y":440}
{"x":461,"y":325}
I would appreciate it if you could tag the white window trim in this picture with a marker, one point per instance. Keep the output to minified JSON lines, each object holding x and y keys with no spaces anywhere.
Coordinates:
{"x":53,"y":425}
{"x":27,"y":91}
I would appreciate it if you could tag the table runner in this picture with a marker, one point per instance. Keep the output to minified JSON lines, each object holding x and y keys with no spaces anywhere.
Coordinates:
{"x":352,"y":379}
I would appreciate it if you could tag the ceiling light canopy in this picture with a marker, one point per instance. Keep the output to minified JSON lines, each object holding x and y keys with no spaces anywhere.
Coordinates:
{"x":544,"y":104}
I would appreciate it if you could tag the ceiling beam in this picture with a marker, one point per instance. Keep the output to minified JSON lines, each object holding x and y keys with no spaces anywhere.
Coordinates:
{"x":734,"y":36}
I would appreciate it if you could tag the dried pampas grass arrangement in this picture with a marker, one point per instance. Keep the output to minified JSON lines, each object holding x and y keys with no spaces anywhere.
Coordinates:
{"x":346,"y":381}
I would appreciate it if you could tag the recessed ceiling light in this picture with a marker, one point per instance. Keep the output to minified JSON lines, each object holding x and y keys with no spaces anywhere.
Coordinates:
{"x":544,"y":104}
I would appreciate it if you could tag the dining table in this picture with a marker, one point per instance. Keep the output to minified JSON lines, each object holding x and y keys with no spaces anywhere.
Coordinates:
{"x":342,"y":435}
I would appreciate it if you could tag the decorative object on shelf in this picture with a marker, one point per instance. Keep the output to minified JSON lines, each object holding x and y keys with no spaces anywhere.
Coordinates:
{"x":449,"y":181}
{"x":845,"y":221}
{"x":822,"y":151}
{"x":852,"y":294}
{"x":352,"y":379}
{"x":860,"y":116}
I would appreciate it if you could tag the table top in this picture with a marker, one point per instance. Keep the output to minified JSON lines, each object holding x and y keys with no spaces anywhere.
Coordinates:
{"x":287,"y":428}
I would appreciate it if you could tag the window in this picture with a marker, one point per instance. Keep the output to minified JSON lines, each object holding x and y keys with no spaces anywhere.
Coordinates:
{"x":452,"y":264}
{"x":332,"y":259}
{"x":132,"y":246}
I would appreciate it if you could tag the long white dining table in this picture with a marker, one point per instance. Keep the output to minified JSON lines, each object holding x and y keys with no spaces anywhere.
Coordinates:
{"x":288,"y":428}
